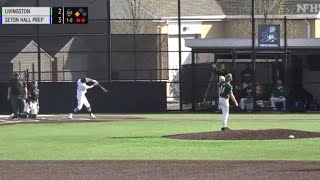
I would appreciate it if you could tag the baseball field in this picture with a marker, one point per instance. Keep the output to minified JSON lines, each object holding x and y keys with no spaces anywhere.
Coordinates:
{"x":137,"y":146}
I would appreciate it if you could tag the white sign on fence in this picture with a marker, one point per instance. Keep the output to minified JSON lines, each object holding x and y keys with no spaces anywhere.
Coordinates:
{"x":308,"y":8}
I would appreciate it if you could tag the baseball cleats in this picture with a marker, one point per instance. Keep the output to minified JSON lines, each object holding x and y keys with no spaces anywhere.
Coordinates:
{"x":70,"y":116}
{"x":12,"y":116}
{"x":92,"y":116}
{"x":225,"y":129}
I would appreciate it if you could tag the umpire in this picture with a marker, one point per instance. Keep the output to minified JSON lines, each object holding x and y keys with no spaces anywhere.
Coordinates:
{"x":17,"y":93}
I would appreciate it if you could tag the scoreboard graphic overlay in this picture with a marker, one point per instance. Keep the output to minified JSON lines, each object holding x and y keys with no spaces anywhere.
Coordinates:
{"x":44,"y":15}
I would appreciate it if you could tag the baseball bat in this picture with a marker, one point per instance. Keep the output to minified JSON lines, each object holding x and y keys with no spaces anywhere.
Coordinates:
{"x":102,"y":88}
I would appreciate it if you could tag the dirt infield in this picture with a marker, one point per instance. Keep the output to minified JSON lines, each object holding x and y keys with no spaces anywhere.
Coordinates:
{"x":158,"y":170}
{"x":64,"y":119}
{"x":247,"y":135}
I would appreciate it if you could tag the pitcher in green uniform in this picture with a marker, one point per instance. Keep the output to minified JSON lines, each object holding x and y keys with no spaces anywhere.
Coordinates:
{"x":225,"y":93}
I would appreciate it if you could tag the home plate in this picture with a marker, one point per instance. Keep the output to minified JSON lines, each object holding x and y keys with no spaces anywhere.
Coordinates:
{"x":11,"y":122}
{"x":31,"y":120}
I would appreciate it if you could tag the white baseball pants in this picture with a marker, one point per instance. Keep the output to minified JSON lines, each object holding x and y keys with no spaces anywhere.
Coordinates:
{"x":82,"y":100}
{"x":224,"y":104}
{"x":34,"y":108}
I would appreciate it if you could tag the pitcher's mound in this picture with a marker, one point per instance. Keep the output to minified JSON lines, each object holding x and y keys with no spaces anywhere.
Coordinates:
{"x":247,"y":135}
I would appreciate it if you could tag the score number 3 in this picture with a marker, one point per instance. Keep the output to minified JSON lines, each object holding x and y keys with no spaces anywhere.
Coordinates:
{"x":60,"y":13}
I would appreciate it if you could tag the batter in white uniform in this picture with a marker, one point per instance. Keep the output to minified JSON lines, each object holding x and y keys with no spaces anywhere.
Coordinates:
{"x":81,"y":95}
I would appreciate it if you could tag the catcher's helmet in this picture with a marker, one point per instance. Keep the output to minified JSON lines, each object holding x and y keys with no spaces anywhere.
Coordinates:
{"x":222,"y":78}
{"x":34,"y":83}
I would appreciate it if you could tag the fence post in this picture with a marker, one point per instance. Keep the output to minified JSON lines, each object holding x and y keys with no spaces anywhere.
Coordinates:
{"x":27,"y":75}
{"x":38,"y":48}
{"x":54,"y":69}
{"x":33,"y":69}
{"x":180,"y":60}
{"x":109,"y":42}
{"x":234,"y":64}
{"x":63,"y":70}
{"x":285,"y":52}
{"x":253,"y":55}
{"x":193,"y":78}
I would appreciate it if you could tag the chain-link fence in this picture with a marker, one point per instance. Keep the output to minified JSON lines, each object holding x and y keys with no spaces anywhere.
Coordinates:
{"x":152,"y":40}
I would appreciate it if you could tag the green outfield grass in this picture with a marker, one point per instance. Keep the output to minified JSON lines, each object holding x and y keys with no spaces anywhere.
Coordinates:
{"x":141,"y":140}
{"x":209,"y":116}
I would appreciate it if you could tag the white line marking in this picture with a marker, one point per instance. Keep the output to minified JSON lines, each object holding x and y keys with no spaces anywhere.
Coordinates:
{"x":42,"y":115}
{"x":84,"y":119}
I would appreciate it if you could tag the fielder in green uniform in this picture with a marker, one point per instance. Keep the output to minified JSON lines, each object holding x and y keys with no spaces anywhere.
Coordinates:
{"x":225,"y":93}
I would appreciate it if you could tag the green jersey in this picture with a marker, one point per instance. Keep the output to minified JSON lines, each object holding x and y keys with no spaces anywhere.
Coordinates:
{"x":277,"y":92}
{"x":224,"y":90}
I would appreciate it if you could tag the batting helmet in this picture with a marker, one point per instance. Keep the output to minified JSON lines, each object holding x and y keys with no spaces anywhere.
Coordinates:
{"x":83,"y":79}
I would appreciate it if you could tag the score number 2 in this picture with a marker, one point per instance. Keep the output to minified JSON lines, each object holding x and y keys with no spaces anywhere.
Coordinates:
{"x":59,"y":13}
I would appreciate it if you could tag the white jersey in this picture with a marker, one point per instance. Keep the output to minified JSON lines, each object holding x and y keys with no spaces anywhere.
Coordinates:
{"x":82,"y":88}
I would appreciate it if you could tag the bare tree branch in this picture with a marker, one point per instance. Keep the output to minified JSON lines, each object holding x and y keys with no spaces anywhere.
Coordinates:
{"x":267,"y":8}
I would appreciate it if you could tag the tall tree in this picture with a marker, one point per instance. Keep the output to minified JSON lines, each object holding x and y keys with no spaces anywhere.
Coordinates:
{"x":134,"y":16}
{"x":267,"y":12}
